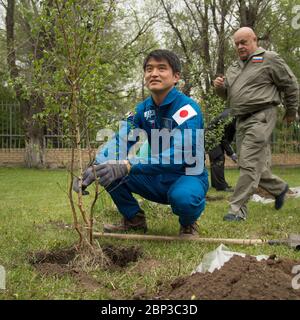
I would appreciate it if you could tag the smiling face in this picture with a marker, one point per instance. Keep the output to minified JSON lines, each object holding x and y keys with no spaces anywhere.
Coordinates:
{"x":159,"y":76}
{"x":245,"y":42}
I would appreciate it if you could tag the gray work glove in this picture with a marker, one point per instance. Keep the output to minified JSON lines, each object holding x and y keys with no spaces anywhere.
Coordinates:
{"x":110,"y":171}
{"x":76,"y":187}
{"x":106,"y":173}
{"x":234,"y":157}
{"x":87,"y":178}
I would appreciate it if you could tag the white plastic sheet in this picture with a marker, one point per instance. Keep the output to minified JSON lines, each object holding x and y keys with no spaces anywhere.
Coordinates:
{"x":258,"y":198}
{"x":215,"y":259}
{"x":2,"y":278}
{"x":296,"y":192}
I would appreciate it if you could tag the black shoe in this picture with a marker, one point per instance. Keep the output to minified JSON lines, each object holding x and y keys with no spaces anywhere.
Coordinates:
{"x":232,"y":217}
{"x":279,"y":200}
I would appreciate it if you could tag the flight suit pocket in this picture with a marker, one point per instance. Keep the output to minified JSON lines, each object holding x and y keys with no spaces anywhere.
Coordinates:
{"x":261,"y":116}
{"x":264,"y":123}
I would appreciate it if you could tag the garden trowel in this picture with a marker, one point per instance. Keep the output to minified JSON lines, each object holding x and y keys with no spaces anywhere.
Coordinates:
{"x":292,"y":241}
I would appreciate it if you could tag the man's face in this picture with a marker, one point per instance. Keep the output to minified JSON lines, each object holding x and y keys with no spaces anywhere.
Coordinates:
{"x":159,"y":76}
{"x":245,"y":44}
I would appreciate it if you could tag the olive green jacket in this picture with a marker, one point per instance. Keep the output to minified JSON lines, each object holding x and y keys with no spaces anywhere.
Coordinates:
{"x":263,"y":81}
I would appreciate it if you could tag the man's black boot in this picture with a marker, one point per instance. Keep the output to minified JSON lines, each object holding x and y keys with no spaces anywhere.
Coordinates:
{"x":279,"y":200}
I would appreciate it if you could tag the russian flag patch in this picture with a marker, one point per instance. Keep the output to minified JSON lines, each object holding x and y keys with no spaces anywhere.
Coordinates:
{"x":257,"y":59}
{"x":184,"y":113}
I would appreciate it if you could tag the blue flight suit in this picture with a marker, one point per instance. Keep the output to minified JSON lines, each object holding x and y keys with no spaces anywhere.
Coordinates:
{"x":160,"y":182}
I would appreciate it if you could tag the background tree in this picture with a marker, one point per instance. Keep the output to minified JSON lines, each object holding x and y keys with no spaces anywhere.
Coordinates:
{"x":200,"y":32}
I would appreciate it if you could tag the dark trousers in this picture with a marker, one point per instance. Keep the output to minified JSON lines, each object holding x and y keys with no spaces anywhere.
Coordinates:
{"x":217,"y":162}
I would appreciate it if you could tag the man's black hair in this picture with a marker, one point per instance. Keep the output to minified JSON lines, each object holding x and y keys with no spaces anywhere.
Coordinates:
{"x":161,"y":54}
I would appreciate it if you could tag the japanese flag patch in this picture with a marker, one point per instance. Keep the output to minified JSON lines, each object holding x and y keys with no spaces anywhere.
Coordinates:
{"x":184,"y":113}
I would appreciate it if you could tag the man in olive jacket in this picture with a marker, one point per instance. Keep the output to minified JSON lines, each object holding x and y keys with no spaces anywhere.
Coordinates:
{"x":254,"y":86}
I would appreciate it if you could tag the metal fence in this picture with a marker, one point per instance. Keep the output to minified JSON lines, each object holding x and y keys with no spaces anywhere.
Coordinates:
{"x":284,"y":139}
{"x":11,"y":133}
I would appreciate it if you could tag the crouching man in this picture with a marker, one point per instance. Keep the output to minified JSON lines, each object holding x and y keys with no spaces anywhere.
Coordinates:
{"x":174,"y":172}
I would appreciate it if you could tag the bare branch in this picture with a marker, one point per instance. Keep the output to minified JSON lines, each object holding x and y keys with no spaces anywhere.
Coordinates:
{"x":3,"y":4}
{"x":177,"y":32}
{"x":193,"y":16}
{"x":142,"y":30}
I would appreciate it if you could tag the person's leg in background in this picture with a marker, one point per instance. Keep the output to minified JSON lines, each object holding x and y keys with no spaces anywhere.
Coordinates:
{"x":252,"y":139}
{"x":217,"y":168}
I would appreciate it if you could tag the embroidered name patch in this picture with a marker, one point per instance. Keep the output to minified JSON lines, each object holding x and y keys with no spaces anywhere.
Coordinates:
{"x":257,"y":59}
{"x":184,"y":113}
{"x":149,"y":114}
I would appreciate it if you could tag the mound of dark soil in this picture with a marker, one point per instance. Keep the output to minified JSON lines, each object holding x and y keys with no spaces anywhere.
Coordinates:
{"x":239,"y":278}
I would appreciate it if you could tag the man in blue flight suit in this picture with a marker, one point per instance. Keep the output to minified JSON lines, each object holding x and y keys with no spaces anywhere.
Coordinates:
{"x":180,"y":184}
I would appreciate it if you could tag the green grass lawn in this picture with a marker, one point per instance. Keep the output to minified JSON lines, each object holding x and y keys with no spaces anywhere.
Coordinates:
{"x":33,"y":205}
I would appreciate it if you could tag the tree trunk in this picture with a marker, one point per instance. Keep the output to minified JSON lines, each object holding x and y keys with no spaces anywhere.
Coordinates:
{"x":221,"y":52}
{"x":206,"y":53}
{"x":187,"y":81}
{"x":34,"y":153}
{"x":34,"y":137}
{"x":248,"y":14}
{"x":223,"y":7}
